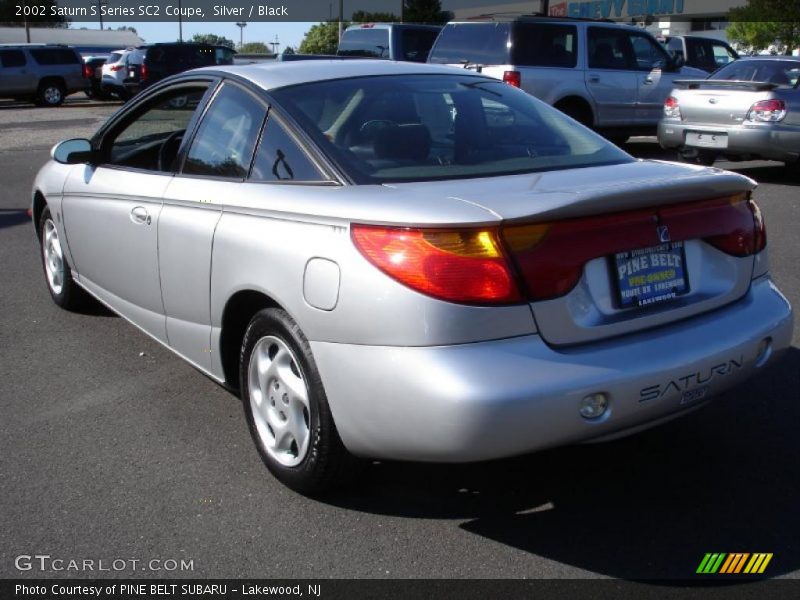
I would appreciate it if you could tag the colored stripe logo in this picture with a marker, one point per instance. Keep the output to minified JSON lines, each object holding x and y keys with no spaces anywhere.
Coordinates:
{"x":734,"y":563}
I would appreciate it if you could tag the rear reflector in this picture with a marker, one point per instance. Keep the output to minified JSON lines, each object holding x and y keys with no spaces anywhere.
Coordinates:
{"x":457,"y":265}
{"x":512,"y":78}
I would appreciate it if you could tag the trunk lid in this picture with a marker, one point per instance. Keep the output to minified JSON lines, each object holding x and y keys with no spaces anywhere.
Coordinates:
{"x":614,"y":211}
{"x":719,"y":102}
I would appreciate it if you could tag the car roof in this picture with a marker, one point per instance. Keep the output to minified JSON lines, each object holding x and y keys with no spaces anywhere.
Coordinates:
{"x":281,"y":74}
{"x":368,"y":26}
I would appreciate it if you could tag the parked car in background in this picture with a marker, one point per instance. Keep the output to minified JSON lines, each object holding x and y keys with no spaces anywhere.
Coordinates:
{"x":410,"y":262}
{"x":749,"y":109}
{"x":608,"y":76}
{"x":41,"y":73}
{"x":115,"y":71}
{"x":393,"y":41}
{"x":93,"y":71}
{"x":150,"y":64}
{"x":704,"y":53}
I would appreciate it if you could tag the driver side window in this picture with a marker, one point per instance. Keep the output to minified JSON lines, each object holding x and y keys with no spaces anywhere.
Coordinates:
{"x":152,"y":139}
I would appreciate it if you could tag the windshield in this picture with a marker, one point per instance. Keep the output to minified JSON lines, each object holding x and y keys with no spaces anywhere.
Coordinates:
{"x":782,"y":72}
{"x":422,"y":127}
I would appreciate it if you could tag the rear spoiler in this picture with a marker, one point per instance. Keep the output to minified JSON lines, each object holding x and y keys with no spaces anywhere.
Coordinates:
{"x":756,"y":86}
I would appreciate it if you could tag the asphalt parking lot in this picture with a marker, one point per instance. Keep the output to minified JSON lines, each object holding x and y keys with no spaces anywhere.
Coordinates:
{"x":113,"y":448}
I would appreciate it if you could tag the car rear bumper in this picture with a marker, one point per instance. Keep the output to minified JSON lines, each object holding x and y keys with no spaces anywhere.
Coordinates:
{"x":771,"y":141}
{"x":500,"y":398}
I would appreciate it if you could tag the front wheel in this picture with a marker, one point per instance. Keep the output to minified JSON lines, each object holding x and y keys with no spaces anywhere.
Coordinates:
{"x":58,"y":275}
{"x":287,"y":409}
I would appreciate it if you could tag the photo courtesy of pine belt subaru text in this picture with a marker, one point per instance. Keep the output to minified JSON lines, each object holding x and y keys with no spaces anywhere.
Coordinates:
{"x":409,"y":261}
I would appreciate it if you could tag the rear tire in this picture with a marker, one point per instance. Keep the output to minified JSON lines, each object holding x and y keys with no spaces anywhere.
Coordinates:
{"x":698,"y":157}
{"x":57,"y":272}
{"x":51,"y":93}
{"x":579,"y":111}
{"x":286,"y":407}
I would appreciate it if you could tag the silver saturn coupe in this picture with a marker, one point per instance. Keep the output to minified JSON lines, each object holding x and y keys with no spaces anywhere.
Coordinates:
{"x":748,"y":109}
{"x":405,"y":261}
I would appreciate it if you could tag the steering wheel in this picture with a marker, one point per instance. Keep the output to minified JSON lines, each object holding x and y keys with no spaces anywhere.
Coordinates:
{"x":169,"y":149}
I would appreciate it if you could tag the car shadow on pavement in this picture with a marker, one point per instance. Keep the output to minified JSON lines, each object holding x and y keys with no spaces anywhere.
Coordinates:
{"x":9,"y":217}
{"x":647,"y":507}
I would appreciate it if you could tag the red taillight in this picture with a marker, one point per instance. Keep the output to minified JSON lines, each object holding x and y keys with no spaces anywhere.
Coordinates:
{"x":512,"y":78}
{"x":142,"y":72}
{"x":457,"y":265}
{"x":117,"y":67}
{"x":671,"y":108}
{"x":551,"y":256}
{"x":767,"y":110}
{"x":88,"y":72}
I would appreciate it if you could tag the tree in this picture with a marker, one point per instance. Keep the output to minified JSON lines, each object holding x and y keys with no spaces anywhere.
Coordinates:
{"x":425,"y":11}
{"x":213,"y":39}
{"x":764,"y":23}
{"x":289,"y":50}
{"x":322,"y":38}
{"x":128,"y":28}
{"x":9,"y":18}
{"x":361,"y":16}
{"x":255,"y":48}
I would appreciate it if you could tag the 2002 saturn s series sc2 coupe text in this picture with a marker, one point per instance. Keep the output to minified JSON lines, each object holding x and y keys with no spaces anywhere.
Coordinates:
{"x":393,"y":260}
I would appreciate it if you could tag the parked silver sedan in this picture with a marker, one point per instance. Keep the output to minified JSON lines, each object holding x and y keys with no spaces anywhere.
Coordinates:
{"x":405,"y":261}
{"x":749,"y":109}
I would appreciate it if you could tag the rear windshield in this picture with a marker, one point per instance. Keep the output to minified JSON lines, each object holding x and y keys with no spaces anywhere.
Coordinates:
{"x":543,"y":45}
{"x":372,"y":43}
{"x":472,"y":43}
{"x":427,"y":127}
{"x":417,"y":43}
{"x":55,"y":56}
{"x":113,"y":57}
{"x":782,"y":72}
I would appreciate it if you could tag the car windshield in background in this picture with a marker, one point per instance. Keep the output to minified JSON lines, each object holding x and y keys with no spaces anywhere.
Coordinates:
{"x":421,"y":127}
{"x":785,"y":73}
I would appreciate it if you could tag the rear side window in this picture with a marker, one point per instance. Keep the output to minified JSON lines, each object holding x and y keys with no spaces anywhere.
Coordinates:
{"x":472,"y":43}
{"x":279,"y":158}
{"x":610,"y":49}
{"x":542,"y":45}
{"x":12,"y":58}
{"x":417,"y":44}
{"x":55,"y":56}
{"x":373,"y":43}
{"x":224,"y":144}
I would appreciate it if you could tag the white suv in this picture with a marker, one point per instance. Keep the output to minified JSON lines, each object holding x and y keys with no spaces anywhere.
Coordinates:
{"x":115,"y":70}
{"x":606,"y":75}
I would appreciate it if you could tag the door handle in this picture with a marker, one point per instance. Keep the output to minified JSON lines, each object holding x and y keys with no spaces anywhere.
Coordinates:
{"x":648,"y":80}
{"x":140,"y":216}
{"x":594,"y":79}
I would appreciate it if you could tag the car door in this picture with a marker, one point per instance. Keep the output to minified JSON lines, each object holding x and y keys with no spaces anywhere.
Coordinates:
{"x":610,"y":78}
{"x":216,"y":163}
{"x":655,"y":78}
{"x":112,"y":208}
{"x":15,"y":75}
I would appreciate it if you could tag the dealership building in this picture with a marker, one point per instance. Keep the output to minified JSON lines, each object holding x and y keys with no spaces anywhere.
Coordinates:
{"x":86,"y":41}
{"x":667,"y":17}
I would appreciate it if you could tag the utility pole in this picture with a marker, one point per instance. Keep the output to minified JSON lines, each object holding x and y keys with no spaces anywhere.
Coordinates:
{"x":241,"y":25}
{"x":25,"y":19}
{"x":100,"y":5}
{"x":341,"y":19}
{"x":180,"y":23}
{"x":275,"y":45}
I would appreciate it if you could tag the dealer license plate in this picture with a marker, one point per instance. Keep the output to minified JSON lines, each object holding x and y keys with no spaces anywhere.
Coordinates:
{"x":651,"y":275}
{"x":707,"y":140}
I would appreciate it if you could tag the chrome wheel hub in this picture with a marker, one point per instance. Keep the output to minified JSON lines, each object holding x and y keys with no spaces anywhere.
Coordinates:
{"x":53,"y":257}
{"x":279,"y":401}
{"x":52,"y":95}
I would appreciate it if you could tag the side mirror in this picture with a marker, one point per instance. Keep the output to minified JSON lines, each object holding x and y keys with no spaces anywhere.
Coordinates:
{"x":72,"y":152}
